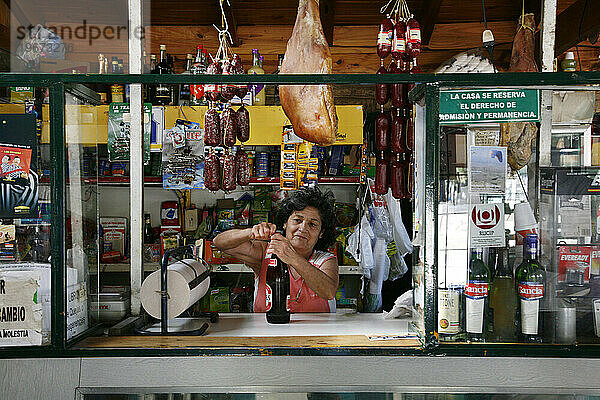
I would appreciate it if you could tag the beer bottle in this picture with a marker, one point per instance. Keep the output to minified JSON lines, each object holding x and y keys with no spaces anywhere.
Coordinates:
{"x":476,"y":296}
{"x":148,"y":232}
{"x":530,"y":279}
{"x":278,"y":290}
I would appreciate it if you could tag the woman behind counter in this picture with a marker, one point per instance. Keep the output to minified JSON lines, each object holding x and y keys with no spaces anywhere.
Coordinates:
{"x":308,"y":220}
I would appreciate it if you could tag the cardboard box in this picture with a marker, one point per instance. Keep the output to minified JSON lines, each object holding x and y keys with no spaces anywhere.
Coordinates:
{"x":219,"y":299}
{"x":213,"y":256}
{"x":114,"y":236}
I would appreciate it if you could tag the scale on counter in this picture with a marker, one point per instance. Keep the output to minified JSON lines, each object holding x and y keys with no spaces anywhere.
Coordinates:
{"x":167,"y":293}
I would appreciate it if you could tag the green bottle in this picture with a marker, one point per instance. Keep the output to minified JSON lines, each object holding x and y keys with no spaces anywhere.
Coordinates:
{"x":503,"y":298}
{"x":530,"y":279}
{"x":476,"y":296}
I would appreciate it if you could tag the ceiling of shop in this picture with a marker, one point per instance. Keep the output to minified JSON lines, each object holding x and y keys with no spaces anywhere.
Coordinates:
{"x":448,"y":26}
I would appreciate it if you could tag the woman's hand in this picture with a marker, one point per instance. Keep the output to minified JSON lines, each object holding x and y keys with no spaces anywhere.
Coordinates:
{"x":263,"y":231}
{"x":283,"y":249}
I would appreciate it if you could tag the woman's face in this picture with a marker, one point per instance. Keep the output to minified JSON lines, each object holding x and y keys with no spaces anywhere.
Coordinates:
{"x":303,"y":228}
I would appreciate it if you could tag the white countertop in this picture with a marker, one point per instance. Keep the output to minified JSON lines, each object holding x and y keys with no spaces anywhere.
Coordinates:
{"x":302,"y":324}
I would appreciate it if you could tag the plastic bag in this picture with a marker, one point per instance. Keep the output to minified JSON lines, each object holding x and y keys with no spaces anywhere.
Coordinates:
{"x":40,"y":42}
{"x":400,"y":235}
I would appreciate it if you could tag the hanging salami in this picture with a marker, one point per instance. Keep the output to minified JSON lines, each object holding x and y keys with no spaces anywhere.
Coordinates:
{"x":385,"y":37}
{"x":212,"y":130}
{"x":382,"y":131}
{"x":397,"y":140}
{"x":381,"y":175}
{"x":243,"y":124}
{"x":228,"y":126}
{"x":212,"y":91}
{"x":229,"y":176}
{"x":212,"y":171}
{"x":242,"y":167}
{"x":382,"y":90}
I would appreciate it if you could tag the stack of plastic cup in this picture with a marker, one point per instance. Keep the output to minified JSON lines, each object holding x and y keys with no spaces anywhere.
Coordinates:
{"x":525,"y":222}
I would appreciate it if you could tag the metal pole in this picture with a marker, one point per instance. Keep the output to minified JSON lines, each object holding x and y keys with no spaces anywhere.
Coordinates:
{"x":136,"y":194}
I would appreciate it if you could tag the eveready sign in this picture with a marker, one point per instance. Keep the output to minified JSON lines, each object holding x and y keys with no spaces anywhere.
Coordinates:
{"x":574,"y":258}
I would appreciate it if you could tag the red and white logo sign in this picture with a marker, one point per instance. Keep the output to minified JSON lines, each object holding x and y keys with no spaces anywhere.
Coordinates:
{"x":272,"y":262}
{"x":268,"y":297}
{"x":531,"y":291}
{"x":476,"y":289}
{"x":486,"y":217}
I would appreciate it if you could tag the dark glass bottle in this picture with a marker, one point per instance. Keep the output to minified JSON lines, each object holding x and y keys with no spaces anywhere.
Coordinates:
{"x":503,"y":298}
{"x":148,"y":231}
{"x":476,"y":296}
{"x":163,"y":91}
{"x":278,"y":291}
{"x":530,"y":279}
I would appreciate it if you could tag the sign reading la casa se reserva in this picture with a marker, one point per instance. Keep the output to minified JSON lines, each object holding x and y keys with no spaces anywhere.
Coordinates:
{"x":489,"y":105}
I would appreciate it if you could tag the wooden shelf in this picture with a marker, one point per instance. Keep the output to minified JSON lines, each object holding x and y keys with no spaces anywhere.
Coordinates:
{"x":157,"y":180}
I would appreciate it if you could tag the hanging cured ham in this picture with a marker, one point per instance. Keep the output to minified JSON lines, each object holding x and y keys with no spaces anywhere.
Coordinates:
{"x":519,"y":137}
{"x":309,"y":108}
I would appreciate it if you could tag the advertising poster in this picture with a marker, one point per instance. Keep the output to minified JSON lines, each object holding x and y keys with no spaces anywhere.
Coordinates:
{"x":182,"y":156}
{"x":486,"y":225}
{"x":20,"y":308}
{"x":488,"y":169}
{"x":18,"y":165}
{"x":119,"y":121}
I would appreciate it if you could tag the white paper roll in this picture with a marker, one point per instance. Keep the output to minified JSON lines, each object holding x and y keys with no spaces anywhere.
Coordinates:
{"x":182,"y":290}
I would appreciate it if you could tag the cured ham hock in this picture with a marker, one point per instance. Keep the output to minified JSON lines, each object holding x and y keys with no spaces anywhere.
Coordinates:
{"x":519,"y":137}
{"x":309,"y":108}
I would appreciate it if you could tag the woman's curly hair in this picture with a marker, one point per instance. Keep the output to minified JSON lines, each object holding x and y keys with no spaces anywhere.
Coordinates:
{"x":312,"y":196}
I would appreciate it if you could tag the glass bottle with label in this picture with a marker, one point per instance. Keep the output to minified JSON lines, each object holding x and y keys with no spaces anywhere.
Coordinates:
{"x":448,"y":323}
{"x":503,"y":298}
{"x":163,"y":91}
{"x":257,"y":89}
{"x":530,"y":279}
{"x":184,"y":91}
{"x":198,"y":68}
{"x":278,"y":290}
{"x":476,"y":296}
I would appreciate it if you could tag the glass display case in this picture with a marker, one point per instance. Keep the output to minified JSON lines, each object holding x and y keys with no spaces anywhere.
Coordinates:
{"x":515,"y":239}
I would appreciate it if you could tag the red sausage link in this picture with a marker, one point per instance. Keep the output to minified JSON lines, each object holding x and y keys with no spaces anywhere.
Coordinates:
{"x":385,"y":37}
{"x":243,"y":124}
{"x":381,"y":176}
{"x":228,"y":129}
{"x":382,"y":131}
{"x":212,"y":171}
{"x":212,"y":130}
{"x":397,"y":140}
{"x":397,"y":179}
{"x":229,"y":176}
{"x":212,"y":91}
{"x":382,"y":90}
{"x":413,"y":38}
{"x":228,"y":90}
{"x":242,"y":167}
{"x":238,"y":68}
{"x":399,"y":40}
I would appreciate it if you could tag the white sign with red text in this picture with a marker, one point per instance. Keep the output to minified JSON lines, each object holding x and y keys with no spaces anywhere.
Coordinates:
{"x":486,"y":225}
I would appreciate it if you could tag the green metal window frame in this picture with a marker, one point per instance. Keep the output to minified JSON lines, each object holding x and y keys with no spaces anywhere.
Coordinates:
{"x":429,"y":91}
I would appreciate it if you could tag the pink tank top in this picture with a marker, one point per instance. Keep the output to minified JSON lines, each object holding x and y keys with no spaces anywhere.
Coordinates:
{"x":302,"y":298}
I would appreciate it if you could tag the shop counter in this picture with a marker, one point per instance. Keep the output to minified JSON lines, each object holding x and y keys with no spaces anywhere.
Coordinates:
{"x":347,"y":329}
